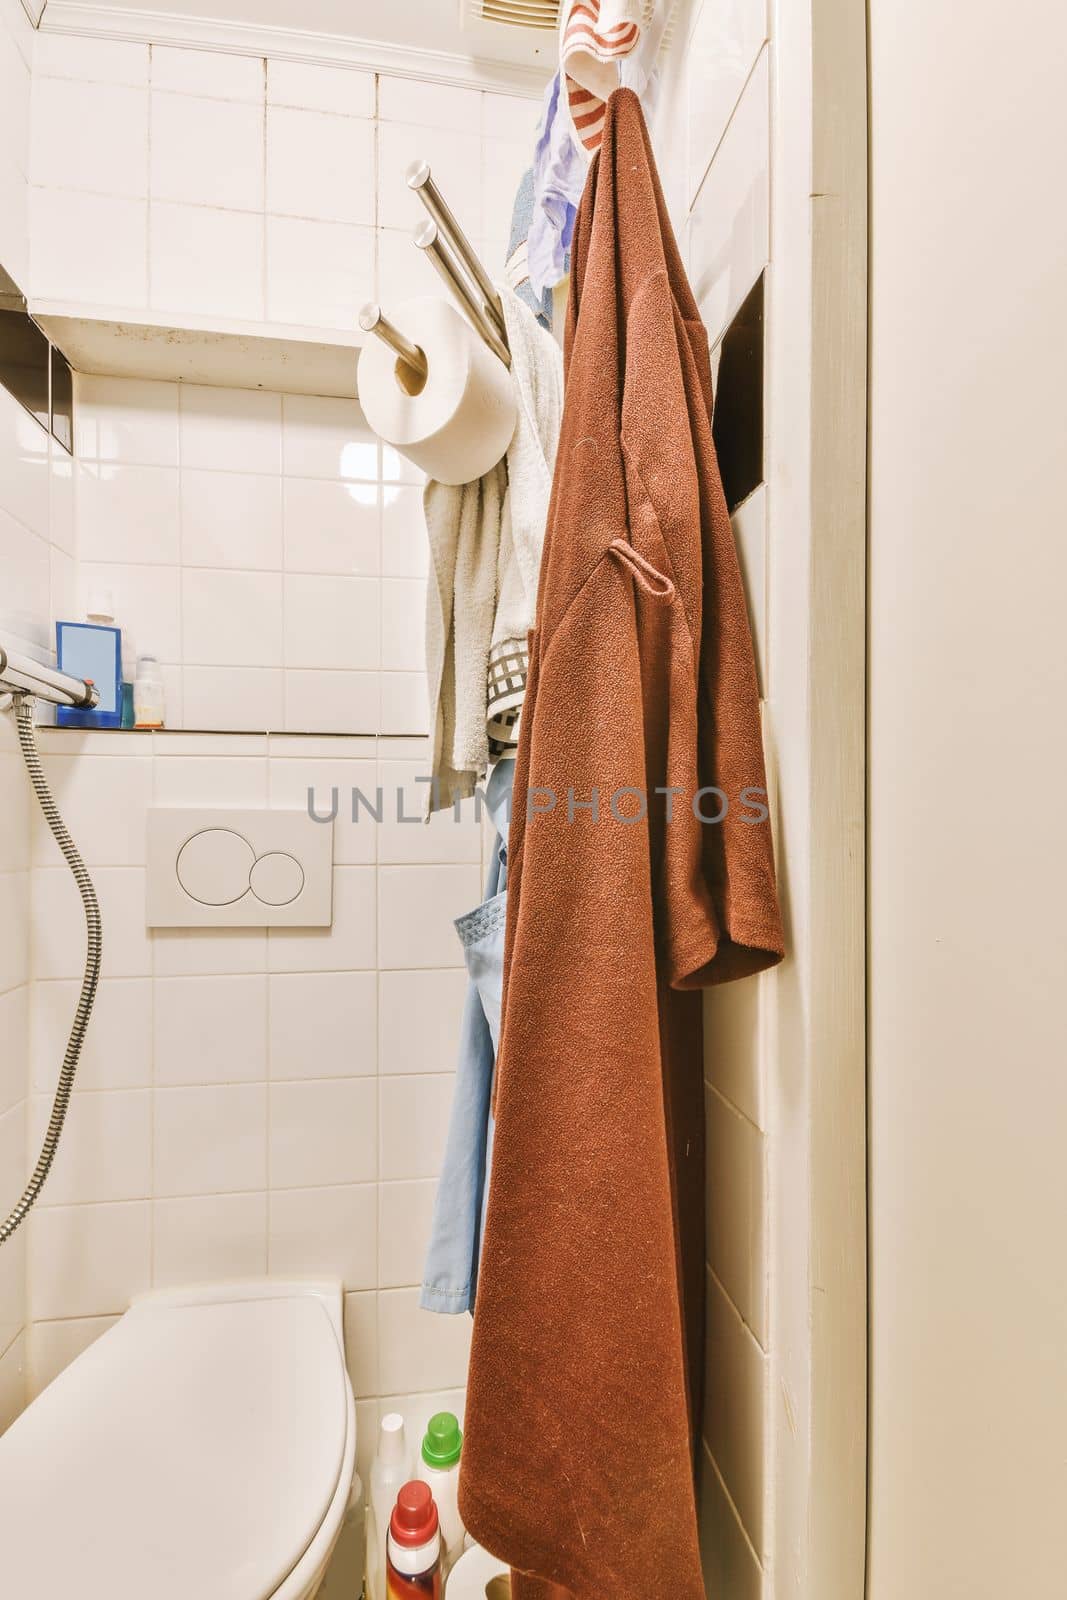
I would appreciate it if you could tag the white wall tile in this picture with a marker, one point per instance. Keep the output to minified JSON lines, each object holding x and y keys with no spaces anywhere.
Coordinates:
{"x":729,"y":227}
{"x":503,"y":165}
{"x":414,"y":1122}
{"x":107,"y":234}
{"x":406,"y":837}
{"x":209,"y":263}
{"x":62,"y":55}
{"x":403,"y":271}
{"x":15,"y":1032}
{"x":331,"y":527}
{"x":431,"y":105}
{"x":90,"y":136}
{"x":405,"y":1212}
{"x":232,"y":618}
{"x":58,"y":923}
{"x":13,"y":1372}
{"x":323,"y":1132}
{"x":24,"y":560}
{"x":237,"y":429}
{"x":404,"y":703}
{"x":328,"y":1231}
{"x":331,"y":702}
{"x":323,"y":1025}
{"x":737,"y":1233}
{"x":320,"y":166}
{"x":734,"y":1041}
{"x":510,"y":116}
{"x":343,"y":90}
{"x":361,"y":1342}
{"x":251,"y":698}
{"x":349,"y":946}
{"x":231,"y":519}
{"x":208,"y":1238}
{"x":331,"y":622}
{"x":89,"y":1260}
{"x":195,"y":952}
{"x":735,"y":1405}
{"x":722,"y":50}
{"x":64,"y":587}
{"x":403,"y":624}
{"x":418,"y":906}
{"x":13,"y":1287}
{"x":147,"y":603}
{"x":128,"y":514}
{"x":318,"y":273}
{"x":117,"y":1053}
{"x":405,"y":545}
{"x":419,"y":1349}
{"x":126,"y":420}
{"x":302,"y":784}
{"x":61,"y":514}
{"x":106,"y":1149}
{"x":14,"y":1168}
{"x":182,"y":780}
{"x":420,"y":1015}
{"x":103,"y":803}
{"x":210,"y":1140}
{"x":210,"y":1030}
{"x":24,"y":470}
{"x":211,"y":73}
{"x":54,"y":1345}
{"x":328,"y":438}
{"x":207,"y":152}
{"x":456,"y":156}
{"x":730,"y":1565}
{"x":14,"y":946}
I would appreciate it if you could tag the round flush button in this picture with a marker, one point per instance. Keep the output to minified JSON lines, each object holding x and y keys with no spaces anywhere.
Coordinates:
{"x":213,"y":866}
{"x":277,"y":878}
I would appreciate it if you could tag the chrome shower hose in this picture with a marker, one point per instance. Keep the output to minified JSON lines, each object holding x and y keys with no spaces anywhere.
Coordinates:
{"x":32,"y":757}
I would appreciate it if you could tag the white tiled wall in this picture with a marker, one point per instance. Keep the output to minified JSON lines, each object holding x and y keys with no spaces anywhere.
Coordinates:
{"x":231,"y":187}
{"x":263,"y":547}
{"x":714,"y":140}
{"x":249,"y":1101}
{"x":16,"y":41}
{"x":36,"y":559}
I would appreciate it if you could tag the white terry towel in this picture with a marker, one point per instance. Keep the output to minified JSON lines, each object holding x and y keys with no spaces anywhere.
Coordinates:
{"x":486,"y":539}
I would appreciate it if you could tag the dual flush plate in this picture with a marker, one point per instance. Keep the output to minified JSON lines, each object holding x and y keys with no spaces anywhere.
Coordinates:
{"x":238,"y":869}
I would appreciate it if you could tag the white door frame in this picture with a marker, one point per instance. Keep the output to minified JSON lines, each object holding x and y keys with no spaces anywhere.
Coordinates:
{"x":817,"y":448}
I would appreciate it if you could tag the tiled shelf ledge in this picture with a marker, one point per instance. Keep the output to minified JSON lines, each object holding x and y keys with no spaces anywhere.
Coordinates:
{"x":108,"y":342}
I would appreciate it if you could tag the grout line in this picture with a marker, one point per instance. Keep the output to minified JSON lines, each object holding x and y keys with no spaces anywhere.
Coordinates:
{"x":714,"y":1276}
{"x":711,"y":1461}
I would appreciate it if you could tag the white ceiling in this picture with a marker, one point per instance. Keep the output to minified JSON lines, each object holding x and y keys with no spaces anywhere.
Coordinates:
{"x":424,"y":27}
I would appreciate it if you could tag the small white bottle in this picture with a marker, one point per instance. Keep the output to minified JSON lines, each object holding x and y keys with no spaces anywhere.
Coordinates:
{"x":388,"y":1476}
{"x":438,"y":1465}
{"x":148,"y":706}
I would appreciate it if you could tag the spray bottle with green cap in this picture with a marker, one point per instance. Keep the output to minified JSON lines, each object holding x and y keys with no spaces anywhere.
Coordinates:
{"x":439,"y":1467}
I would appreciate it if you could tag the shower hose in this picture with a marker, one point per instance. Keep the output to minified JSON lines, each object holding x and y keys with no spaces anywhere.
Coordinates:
{"x":32,"y":757}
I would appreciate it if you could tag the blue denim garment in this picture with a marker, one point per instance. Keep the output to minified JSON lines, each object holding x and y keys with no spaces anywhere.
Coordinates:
{"x":450,"y":1276}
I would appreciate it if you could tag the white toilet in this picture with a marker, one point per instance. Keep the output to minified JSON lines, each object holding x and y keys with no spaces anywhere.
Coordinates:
{"x":202,"y":1449}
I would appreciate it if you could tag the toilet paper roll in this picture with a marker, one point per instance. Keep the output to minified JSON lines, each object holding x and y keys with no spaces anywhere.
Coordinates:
{"x":461,"y":421}
{"x":477,"y":1574}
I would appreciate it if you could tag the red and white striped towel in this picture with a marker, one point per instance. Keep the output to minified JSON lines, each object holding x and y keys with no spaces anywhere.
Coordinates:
{"x":594,"y":37}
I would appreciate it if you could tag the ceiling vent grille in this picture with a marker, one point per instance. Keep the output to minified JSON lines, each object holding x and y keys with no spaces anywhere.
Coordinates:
{"x":542,"y":14}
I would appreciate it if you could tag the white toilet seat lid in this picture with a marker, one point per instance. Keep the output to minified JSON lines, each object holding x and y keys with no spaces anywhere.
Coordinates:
{"x":190,"y":1454}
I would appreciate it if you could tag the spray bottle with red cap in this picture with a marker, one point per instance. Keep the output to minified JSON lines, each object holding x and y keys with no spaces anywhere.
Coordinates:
{"x":414,"y":1546}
